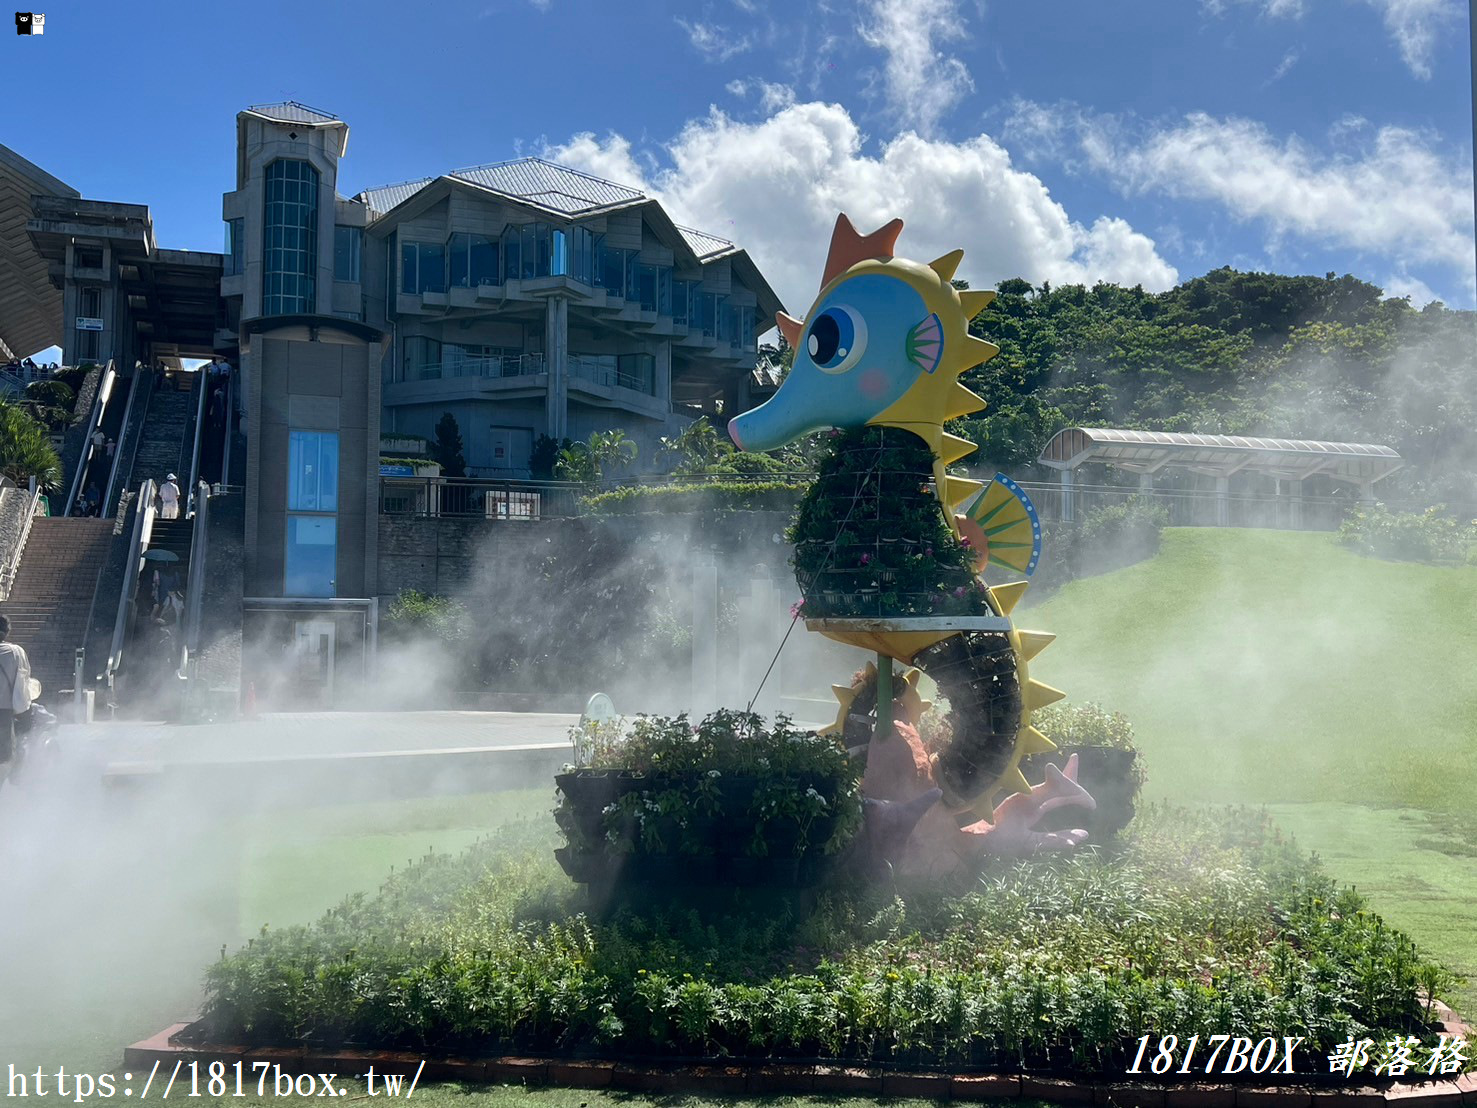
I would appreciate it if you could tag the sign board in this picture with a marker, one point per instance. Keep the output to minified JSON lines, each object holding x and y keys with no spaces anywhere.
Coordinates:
{"x":397,"y":471}
{"x":86,"y":324}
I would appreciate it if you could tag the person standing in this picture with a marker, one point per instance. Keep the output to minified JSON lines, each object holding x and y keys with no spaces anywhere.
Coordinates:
{"x":112,"y":448}
{"x":169,"y":499}
{"x":98,"y":439}
{"x":15,"y":691}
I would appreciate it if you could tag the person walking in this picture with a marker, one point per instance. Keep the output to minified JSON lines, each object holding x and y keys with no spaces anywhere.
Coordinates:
{"x":15,"y":692}
{"x":112,"y":448}
{"x":98,"y":439}
{"x":169,"y":498}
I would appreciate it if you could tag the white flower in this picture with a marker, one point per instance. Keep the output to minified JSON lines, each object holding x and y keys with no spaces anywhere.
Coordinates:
{"x":608,"y":809}
{"x":714,"y":773}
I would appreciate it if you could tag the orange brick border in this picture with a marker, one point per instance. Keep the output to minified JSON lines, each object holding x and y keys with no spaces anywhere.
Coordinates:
{"x":738,"y":1078}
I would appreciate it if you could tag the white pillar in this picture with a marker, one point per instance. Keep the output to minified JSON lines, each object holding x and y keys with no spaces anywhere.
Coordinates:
{"x":704,"y":635}
{"x":1366,"y":492}
{"x":1295,"y":504}
{"x":1146,"y":484}
{"x":1223,"y":501}
{"x":1067,"y":505}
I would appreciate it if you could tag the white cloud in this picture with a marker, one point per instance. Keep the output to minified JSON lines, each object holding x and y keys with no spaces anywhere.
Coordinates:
{"x":922,"y":82}
{"x":1403,"y":284}
{"x":1414,"y":25}
{"x":1398,"y":194}
{"x":1289,"y":60}
{"x":775,"y":186}
{"x":714,"y":42}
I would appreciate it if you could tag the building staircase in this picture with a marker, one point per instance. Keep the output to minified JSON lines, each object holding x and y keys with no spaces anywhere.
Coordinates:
{"x":52,"y":596}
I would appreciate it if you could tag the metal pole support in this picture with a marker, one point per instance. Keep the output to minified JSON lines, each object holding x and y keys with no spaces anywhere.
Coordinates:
{"x":884,"y":697}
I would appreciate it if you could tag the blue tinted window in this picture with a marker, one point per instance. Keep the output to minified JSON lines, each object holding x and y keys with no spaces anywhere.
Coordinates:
{"x":347,"y":243}
{"x":312,"y":556}
{"x":290,"y":239}
{"x":312,"y":471}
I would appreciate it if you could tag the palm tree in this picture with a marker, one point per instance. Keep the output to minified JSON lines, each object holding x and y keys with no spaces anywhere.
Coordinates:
{"x":25,"y":449}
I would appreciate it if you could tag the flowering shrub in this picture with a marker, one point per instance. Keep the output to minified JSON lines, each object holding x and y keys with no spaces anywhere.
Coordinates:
{"x":731,"y":784}
{"x":1429,"y":536}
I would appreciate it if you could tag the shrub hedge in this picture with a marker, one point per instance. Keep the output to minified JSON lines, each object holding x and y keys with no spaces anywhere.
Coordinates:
{"x":1429,"y":536}
{"x":1204,"y":924}
{"x":735,"y":495}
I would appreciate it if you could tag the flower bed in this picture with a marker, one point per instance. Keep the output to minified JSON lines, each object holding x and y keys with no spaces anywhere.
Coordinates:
{"x":729,"y":800}
{"x":1199,"y":924}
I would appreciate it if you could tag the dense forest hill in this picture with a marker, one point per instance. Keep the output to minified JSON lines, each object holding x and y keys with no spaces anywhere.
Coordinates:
{"x":1234,"y":353}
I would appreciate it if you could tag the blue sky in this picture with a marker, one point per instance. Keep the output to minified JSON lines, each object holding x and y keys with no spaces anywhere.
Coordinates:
{"x":1063,"y":140}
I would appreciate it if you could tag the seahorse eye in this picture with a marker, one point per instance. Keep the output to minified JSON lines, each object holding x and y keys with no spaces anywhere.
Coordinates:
{"x":836,"y":339}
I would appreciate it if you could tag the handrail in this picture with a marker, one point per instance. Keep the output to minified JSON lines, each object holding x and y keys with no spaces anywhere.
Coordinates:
{"x":7,"y":574}
{"x":230,"y":429}
{"x":141,"y":380}
{"x":195,"y":581}
{"x":94,"y":422}
{"x":143,"y":529}
{"x":199,"y":430}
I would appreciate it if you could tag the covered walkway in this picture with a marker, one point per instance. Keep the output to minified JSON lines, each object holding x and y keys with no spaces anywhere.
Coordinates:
{"x":1243,"y":468}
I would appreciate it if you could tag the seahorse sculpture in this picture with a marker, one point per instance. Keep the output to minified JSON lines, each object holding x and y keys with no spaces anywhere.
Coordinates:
{"x":884,"y":346}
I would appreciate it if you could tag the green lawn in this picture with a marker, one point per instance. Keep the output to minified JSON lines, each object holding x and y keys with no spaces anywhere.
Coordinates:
{"x":1278,"y":669}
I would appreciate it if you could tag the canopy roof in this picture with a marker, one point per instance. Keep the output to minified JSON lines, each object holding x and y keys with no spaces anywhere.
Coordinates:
{"x":30,"y":305}
{"x":1220,"y":455}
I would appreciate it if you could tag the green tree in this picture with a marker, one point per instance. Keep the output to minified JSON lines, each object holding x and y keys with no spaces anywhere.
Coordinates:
{"x":25,"y":448}
{"x":447,"y":449}
{"x":590,"y":461}
{"x":698,"y":446}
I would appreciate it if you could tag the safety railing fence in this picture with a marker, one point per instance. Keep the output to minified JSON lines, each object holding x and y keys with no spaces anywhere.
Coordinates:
{"x":143,"y":529}
{"x":13,"y":563}
{"x":434,"y":497}
{"x":195,"y":582}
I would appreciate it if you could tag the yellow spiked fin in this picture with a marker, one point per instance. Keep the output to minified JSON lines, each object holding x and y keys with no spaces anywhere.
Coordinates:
{"x":1009,"y":595}
{"x":953,"y":448}
{"x":1034,"y":742}
{"x":961,"y":402}
{"x":975,"y":302}
{"x":958,"y":490}
{"x":1039,"y":695}
{"x":946,"y":266}
{"x":1034,"y":642}
{"x":1015,"y":781}
{"x":977,"y":351}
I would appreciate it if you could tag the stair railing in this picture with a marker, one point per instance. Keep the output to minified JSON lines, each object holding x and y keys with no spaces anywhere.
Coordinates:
{"x":204,"y":384}
{"x":12,"y":567}
{"x":128,"y":435}
{"x":143,"y":530}
{"x":195,"y":580}
{"x":94,"y":423}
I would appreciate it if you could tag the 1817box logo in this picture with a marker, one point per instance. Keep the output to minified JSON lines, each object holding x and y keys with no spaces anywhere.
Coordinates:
{"x":30,"y":23}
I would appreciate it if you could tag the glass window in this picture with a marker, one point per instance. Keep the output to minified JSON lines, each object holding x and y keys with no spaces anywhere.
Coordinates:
{"x":460,"y":249}
{"x":91,"y":302}
{"x":637,"y":371}
{"x":582,"y":251}
{"x":422,"y":267}
{"x":312,"y":556}
{"x":559,"y":264}
{"x":512,"y":254}
{"x":290,"y":238}
{"x":483,"y":261}
{"x":422,"y":358}
{"x":646,"y":287}
{"x":312,"y":471}
{"x":347,"y":243}
{"x":682,"y":300}
{"x":235,"y":247}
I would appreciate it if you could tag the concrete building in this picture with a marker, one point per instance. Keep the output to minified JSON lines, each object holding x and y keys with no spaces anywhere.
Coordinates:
{"x":524,"y":298}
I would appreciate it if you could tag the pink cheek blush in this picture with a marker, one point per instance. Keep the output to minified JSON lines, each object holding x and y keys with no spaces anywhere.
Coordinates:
{"x":872,"y":383}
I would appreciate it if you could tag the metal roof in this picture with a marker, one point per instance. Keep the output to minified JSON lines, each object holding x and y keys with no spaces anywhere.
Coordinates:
{"x":290,"y":111}
{"x":30,"y":306}
{"x":704,"y":245}
{"x":382,"y":199}
{"x":1220,"y":455}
